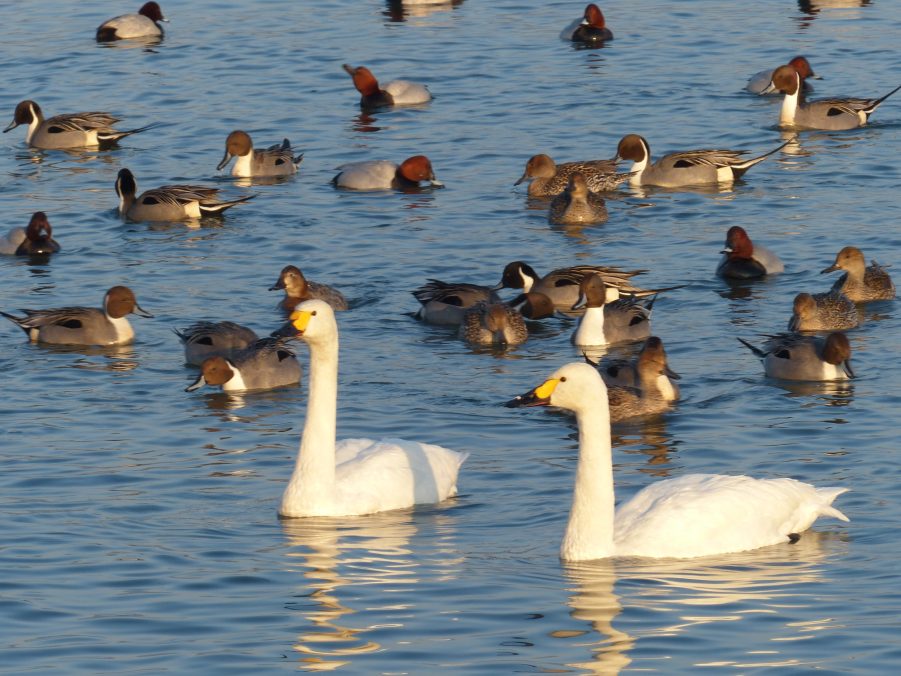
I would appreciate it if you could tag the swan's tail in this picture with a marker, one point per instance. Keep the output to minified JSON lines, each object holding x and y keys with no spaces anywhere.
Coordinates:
{"x":828,"y":495}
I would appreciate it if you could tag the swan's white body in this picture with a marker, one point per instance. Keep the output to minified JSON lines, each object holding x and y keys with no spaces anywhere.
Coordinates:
{"x":355,"y":476}
{"x":694,"y":515}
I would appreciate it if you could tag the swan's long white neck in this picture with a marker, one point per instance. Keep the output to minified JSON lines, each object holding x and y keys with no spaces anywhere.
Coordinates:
{"x":589,"y":533}
{"x":789,"y":107}
{"x":311,"y":489}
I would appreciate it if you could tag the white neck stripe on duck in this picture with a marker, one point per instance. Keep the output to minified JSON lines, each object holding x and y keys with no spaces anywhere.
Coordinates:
{"x":790,"y":104}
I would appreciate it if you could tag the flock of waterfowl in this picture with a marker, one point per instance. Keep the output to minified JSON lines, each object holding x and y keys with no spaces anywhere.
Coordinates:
{"x":689,"y":516}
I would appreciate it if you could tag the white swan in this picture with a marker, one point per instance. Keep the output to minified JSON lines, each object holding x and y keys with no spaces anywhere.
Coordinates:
{"x":694,"y":515}
{"x":355,"y":476}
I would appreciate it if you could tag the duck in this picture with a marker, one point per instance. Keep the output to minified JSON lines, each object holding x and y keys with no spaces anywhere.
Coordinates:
{"x":83,"y":325}
{"x":385,"y":175}
{"x":144,"y":24}
{"x":493,"y":324}
{"x":394,"y":93}
{"x":73,"y":130}
{"x":549,"y":179}
{"x":354,"y":477}
{"x":685,"y":517}
{"x":792,"y":356}
{"x":577,"y":205}
{"x":828,"y":114}
{"x":446,"y":303}
{"x":645,"y":397}
{"x":860,"y":283}
{"x":829,"y":311}
{"x":593,"y":29}
{"x":276,"y":160}
{"x":264,"y":364}
{"x":625,"y":373}
{"x":744,"y":259}
{"x":169,"y":202}
{"x":686,"y":168}
{"x":533,"y":305}
{"x":34,"y":240}
{"x":759,"y":83}
{"x":562,"y":285}
{"x":203,"y":339}
{"x":298,"y":289}
{"x":603,"y":322}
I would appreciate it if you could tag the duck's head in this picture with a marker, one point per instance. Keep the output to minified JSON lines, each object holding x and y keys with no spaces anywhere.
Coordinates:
{"x":291,"y":279}
{"x":633,"y":147}
{"x":213,"y":371}
{"x":538,"y":166}
{"x":849,"y":258}
{"x":592,"y":292}
{"x":25,"y":113}
{"x":120,"y":301}
{"x":238,"y":144}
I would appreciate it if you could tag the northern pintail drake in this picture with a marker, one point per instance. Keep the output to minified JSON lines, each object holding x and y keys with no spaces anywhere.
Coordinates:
{"x":385,"y":175}
{"x":604,"y":322}
{"x":626,"y":373}
{"x":144,"y":24}
{"x":829,"y":114}
{"x":744,"y":259}
{"x":759,"y":83}
{"x":262,"y":365}
{"x":34,"y":240}
{"x":593,"y":29}
{"x":548,"y":179}
{"x":353,"y":477}
{"x":276,"y":160}
{"x":84,"y":325}
{"x":75,"y":130}
{"x":577,"y":205}
{"x":688,"y":516}
{"x":562,"y":285}
{"x":861,"y":283}
{"x":493,"y":324}
{"x":690,"y":167}
{"x":298,"y":289}
{"x":169,"y":202}
{"x":447,"y":302}
{"x":203,"y":340}
{"x":394,"y":93}
{"x":830,"y":311}
{"x":792,"y":356}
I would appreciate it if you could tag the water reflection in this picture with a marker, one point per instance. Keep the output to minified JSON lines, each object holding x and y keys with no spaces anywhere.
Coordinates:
{"x":334,"y":553}
{"x":833,"y":393}
{"x":650,"y":437}
{"x":398,"y":11}
{"x":364,"y":122}
{"x":735,"y":588}
{"x":98,"y":358}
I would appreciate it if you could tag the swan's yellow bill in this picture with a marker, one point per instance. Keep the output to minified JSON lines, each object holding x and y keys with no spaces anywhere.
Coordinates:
{"x":546,"y":389}
{"x":300,"y":319}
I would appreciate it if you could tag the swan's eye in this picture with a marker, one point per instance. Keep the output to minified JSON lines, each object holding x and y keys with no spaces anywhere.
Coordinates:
{"x":313,"y":313}
{"x":563,"y":379}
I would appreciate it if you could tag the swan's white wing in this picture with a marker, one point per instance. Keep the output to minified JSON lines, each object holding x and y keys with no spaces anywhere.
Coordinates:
{"x":375,"y":476}
{"x":705,"y":514}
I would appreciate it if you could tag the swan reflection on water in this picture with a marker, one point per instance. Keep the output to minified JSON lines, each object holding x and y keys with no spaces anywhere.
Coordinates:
{"x":336,"y":555}
{"x":734,"y":588}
